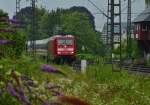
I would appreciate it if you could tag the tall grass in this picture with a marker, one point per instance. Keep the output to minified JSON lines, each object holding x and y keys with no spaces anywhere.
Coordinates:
{"x":98,"y":86}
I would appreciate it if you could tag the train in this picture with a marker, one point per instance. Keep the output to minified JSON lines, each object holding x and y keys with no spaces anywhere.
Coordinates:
{"x":58,"y":48}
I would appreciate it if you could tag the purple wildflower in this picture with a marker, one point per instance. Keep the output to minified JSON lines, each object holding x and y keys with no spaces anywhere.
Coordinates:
{"x":7,"y":30}
{"x":15,"y":21}
{"x":49,"y":69}
{"x":6,"y":42}
{"x":23,"y":98}
{"x":3,"y":41}
{"x":11,"y":90}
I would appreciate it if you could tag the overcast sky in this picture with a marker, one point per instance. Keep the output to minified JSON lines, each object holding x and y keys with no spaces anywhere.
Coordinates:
{"x":138,"y":6}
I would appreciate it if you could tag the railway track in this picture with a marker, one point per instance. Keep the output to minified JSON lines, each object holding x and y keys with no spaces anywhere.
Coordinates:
{"x":137,"y":68}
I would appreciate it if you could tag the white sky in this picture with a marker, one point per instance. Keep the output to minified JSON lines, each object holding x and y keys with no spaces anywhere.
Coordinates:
{"x":138,"y":6}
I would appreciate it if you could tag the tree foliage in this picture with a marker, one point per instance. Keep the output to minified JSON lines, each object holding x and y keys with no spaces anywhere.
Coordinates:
{"x":77,"y":21}
{"x":136,"y":51}
{"x":79,"y":25}
{"x":147,"y":1}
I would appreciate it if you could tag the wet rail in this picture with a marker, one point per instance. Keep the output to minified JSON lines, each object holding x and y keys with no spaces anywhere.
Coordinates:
{"x":141,"y":68}
{"x":137,"y":68}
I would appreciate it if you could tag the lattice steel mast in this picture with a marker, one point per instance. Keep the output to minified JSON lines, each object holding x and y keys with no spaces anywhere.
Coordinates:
{"x":33,"y":25}
{"x":114,"y":22}
{"x":17,"y":6}
{"x":108,"y":40}
{"x":129,"y":49}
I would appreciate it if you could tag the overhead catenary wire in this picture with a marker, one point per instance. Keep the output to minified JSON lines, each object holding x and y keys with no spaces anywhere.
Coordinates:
{"x":123,"y":9}
{"x":125,"y":13}
{"x":101,"y":11}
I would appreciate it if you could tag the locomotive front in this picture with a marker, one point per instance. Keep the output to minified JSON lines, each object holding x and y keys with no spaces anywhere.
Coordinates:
{"x":66,"y":46}
{"x":63,"y":48}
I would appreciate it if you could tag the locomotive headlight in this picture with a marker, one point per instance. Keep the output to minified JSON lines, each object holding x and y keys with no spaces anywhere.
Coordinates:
{"x":58,"y":52}
{"x":72,"y":52}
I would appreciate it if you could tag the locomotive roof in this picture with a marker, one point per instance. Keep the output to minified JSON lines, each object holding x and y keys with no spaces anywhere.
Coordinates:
{"x":43,"y":41}
{"x":61,"y":36}
{"x":143,"y":17}
{"x":46,"y":40}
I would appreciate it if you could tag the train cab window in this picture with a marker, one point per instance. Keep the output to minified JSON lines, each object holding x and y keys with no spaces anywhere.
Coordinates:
{"x":144,"y":27}
{"x":65,"y":42}
{"x":61,"y":42}
{"x":69,"y":42}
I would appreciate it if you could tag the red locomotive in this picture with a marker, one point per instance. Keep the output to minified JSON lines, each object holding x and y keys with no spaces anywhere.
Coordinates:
{"x":62,"y":48}
{"x":59,"y":48}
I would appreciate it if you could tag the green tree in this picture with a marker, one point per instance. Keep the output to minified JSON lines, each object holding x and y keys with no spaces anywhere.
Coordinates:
{"x":136,"y":50}
{"x":77,"y":21}
{"x":78,"y":24}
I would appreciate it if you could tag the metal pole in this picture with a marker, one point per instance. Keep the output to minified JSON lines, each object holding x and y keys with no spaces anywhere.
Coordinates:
{"x":120,"y":33}
{"x":129,"y":49}
{"x":115,"y":21}
{"x":17,"y":6}
{"x":112,"y":31}
{"x":108,"y":24}
{"x":33,"y":25}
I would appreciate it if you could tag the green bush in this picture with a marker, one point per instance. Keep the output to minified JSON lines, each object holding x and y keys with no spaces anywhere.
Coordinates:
{"x":18,"y":38}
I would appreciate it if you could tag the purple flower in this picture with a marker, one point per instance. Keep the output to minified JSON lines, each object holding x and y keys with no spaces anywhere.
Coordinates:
{"x":7,"y":30}
{"x":3,"y":41}
{"x":23,"y":98}
{"x":15,"y":21}
{"x":6,"y":42}
{"x":50,"y":69}
{"x":11,"y":90}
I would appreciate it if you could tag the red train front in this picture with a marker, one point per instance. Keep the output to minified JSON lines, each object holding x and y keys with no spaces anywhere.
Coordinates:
{"x":62,"y":48}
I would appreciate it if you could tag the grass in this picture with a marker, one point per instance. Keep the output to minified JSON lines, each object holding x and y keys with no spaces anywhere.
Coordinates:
{"x":98,"y":86}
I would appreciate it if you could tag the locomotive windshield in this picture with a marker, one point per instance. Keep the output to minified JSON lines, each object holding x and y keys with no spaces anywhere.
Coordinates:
{"x":65,"y":42}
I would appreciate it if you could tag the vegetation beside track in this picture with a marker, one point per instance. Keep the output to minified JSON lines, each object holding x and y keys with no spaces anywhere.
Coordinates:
{"x":99,"y":86}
